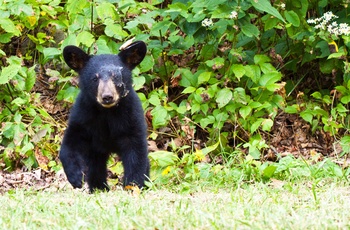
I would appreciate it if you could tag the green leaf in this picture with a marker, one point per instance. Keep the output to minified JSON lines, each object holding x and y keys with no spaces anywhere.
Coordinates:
{"x":256,"y":125}
{"x":223,"y":97}
{"x":291,"y":109}
{"x":345,"y":144}
{"x":245,"y":111}
{"x":115,"y":31}
{"x":106,"y":10}
{"x":160,"y":116}
{"x":345,"y":99}
{"x":139,"y":81}
{"x":270,"y":78}
{"x":9,"y":26}
{"x":209,"y":149}
{"x":154,"y":100}
{"x":307,"y":116}
{"x":189,"y":89}
{"x":163,"y":158}
{"x":238,"y":70}
{"x":269,"y":171}
{"x":18,"y":101}
{"x":260,"y":59}
{"x":292,"y":17}
{"x":252,"y":72}
{"x":240,"y":96}
{"x":147,"y":63}
{"x":265,"y":5}
{"x":267,"y":124}
{"x":85,"y":38}
{"x":50,"y":53}
{"x":30,"y":79}
{"x":250,"y":30}
{"x":8,"y":72}
{"x":204,"y":77}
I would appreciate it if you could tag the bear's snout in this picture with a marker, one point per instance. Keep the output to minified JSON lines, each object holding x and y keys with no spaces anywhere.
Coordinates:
{"x":107,"y":94}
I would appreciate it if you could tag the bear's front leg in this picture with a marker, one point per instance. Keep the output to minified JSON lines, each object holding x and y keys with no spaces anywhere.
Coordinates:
{"x":73,"y":165}
{"x":72,"y":155}
{"x":134,"y":155}
{"x":97,"y":171}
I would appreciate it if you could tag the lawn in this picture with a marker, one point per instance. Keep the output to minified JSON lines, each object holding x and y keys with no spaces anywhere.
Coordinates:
{"x":276,"y":205}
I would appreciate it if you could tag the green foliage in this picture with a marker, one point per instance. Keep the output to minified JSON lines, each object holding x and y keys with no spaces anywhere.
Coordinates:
{"x":221,"y":69}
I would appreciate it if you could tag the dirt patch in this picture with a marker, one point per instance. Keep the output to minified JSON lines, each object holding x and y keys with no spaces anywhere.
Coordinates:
{"x":38,"y":180}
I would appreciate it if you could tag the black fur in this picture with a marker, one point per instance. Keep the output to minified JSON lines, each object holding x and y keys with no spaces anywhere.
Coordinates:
{"x":94,"y":131}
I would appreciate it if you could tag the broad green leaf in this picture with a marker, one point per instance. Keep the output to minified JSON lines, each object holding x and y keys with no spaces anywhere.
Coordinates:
{"x":163,"y":158}
{"x":189,"y":89}
{"x":204,"y":77}
{"x":215,"y":63}
{"x":245,"y":111}
{"x":345,"y":143}
{"x":317,"y":95}
{"x":160,"y":116}
{"x":207,"y":121}
{"x":85,"y":38}
{"x":9,"y":26}
{"x":291,"y":109}
{"x":138,"y":82}
{"x":250,"y":30}
{"x":292,"y":17}
{"x":267,"y":124}
{"x":106,"y":10}
{"x":252,"y":72}
{"x":256,"y":125}
{"x":154,"y":100}
{"x":307,"y":116}
{"x":265,"y":5}
{"x":223,"y":97}
{"x":50,"y":53}
{"x":8,"y":72}
{"x":18,"y":101}
{"x":260,"y":59}
{"x":147,"y":63}
{"x":238,"y":70}
{"x":341,"y":109}
{"x":115,"y":31}
{"x":269,"y":171}
{"x":345,"y":99}
{"x":270,"y":78}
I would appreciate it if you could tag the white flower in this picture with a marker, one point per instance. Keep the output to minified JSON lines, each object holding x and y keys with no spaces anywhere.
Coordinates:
{"x":283,"y":6}
{"x":329,"y":16}
{"x":233,"y":15}
{"x":324,"y":23}
{"x":344,"y":29}
{"x":207,"y":22}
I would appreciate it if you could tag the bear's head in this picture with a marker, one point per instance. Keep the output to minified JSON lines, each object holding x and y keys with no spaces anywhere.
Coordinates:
{"x":105,"y":78}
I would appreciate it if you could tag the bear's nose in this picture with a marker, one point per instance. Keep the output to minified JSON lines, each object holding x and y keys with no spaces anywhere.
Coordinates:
{"x":107,"y":98}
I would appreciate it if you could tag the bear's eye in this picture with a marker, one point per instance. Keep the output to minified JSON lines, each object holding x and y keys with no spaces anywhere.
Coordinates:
{"x":95,"y":78}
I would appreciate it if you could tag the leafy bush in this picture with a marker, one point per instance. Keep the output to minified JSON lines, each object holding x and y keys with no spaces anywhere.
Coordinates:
{"x":217,"y":73}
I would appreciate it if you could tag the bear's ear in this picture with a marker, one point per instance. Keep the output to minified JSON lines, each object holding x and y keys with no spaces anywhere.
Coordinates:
{"x":75,"y":57}
{"x":133,"y":54}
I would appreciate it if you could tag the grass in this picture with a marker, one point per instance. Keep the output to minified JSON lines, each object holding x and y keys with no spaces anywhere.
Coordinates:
{"x":255,"y":206}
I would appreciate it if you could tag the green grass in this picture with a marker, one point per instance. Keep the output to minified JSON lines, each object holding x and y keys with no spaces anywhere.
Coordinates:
{"x":256,"y":206}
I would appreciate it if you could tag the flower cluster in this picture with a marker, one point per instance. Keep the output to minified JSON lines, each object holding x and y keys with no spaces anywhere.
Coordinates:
{"x":324,"y":23}
{"x":233,"y":15}
{"x":207,"y":22}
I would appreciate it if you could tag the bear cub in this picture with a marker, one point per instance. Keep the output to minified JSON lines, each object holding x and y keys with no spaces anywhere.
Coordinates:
{"x":106,"y":118}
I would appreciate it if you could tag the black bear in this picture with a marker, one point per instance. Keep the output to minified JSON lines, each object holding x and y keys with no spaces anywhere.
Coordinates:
{"x":106,"y":118}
